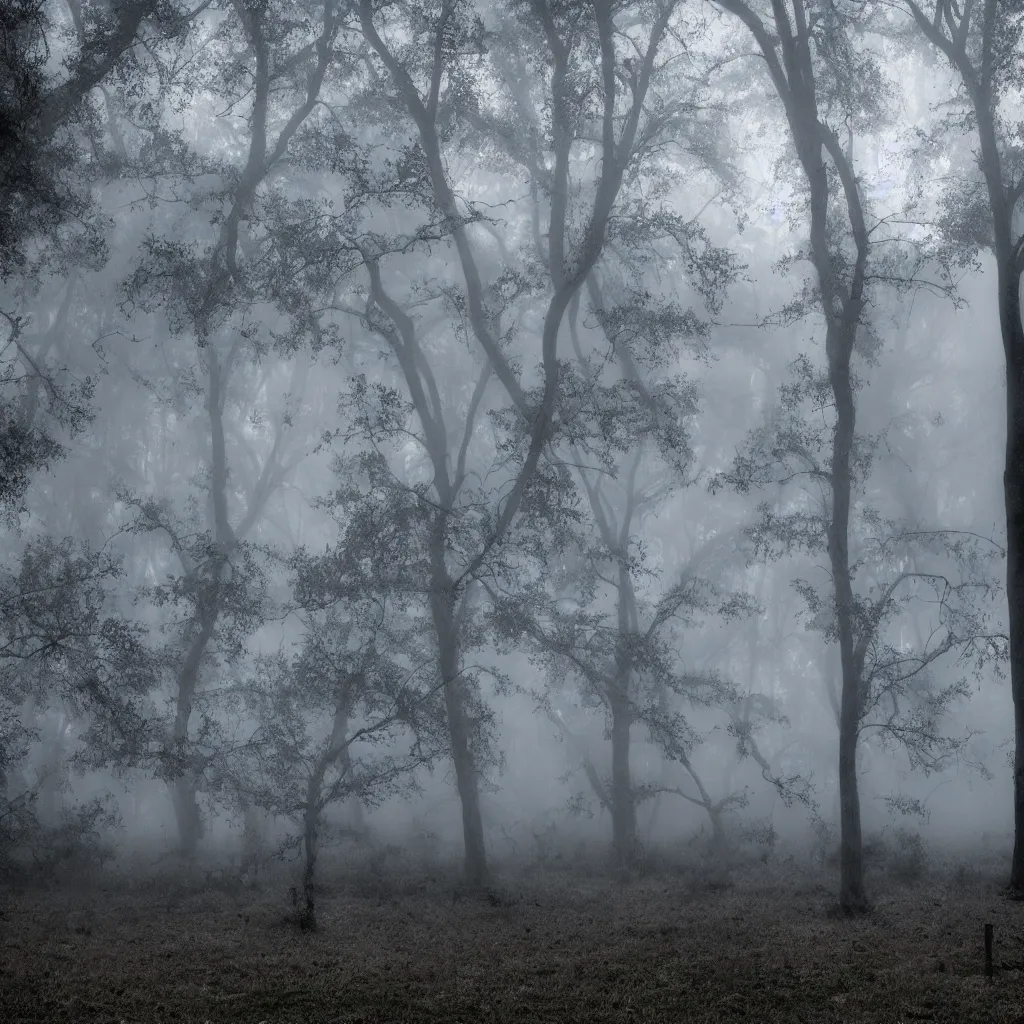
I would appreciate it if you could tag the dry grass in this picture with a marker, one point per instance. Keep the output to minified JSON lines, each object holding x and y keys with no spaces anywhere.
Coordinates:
{"x":678,"y":946}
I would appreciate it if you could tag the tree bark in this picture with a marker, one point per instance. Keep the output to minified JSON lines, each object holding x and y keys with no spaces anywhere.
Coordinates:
{"x":623,"y":798}
{"x":851,"y":864}
{"x":442,"y":606}
{"x":95,"y":60}
{"x":185,"y":786}
{"x":1003,"y":196}
{"x":310,"y":846}
{"x":623,"y":805}
{"x":1013,"y":491}
{"x":789,"y":56}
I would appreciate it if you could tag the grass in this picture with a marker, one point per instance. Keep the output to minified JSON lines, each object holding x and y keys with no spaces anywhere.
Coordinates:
{"x":690,"y":945}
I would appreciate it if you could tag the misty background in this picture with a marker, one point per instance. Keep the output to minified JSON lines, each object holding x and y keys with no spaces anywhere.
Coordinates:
{"x":407,"y":440}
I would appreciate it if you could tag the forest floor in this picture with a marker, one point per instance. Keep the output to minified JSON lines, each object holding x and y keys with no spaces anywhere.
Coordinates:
{"x":759,"y":944}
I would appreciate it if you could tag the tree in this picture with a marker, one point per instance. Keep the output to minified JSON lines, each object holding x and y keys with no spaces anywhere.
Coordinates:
{"x":433,"y":56}
{"x":820,"y":77}
{"x":628,"y":448}
{"x":65,"y":646}
{"x":934,"y":581}
{"x":52,"y":154}
{"x":353,"y":671}
{"x":983,"y":44}
{"x":42,"y":167}
{"x":40,"y":401}
{"x":207,"y":287}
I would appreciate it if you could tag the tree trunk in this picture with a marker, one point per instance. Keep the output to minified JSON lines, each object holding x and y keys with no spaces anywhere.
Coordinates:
{"x":622,"y":800}
{"x":315,"y":803}
{"x":1002,"y":203}
{"x":842,"y":308}
{"x":185,"y":786}
{"x":851,"y":865}
{"x":186,"y":814}
{"x":310,"y":846}
{"x":719,"y":844}
{"x":442,"y":604}
{"x":468,"y":787}
{"x":851,"y":861}
{"x":1013,"y":490}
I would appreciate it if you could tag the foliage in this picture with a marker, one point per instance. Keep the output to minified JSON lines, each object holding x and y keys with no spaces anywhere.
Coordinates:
{"x":346,"y":717}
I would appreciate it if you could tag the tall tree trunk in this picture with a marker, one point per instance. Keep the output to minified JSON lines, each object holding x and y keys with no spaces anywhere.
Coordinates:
{"x":185,"y":787}
{"x":311,"y":848}
{"x":1013,"y":490}
{"x":842,"y":306}
{"x":622,"y":800}
{"x":1003,"y":198}
{"x":851,"y":873}
{"x":1005,"y":186}
{"x":337,"y":753}
{"x":442,"y":606}
{"x":1008,"y":269}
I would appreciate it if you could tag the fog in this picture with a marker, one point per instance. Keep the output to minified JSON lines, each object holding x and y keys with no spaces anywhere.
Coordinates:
{"x":465,"y":457}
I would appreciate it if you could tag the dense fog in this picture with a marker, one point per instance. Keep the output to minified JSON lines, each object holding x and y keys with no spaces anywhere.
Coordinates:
{"x":489,"y":435}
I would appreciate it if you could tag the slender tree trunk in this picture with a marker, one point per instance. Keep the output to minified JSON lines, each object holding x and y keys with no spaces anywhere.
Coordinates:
{"x":851,"y":863}
{"x":442,"y":605}
{"x":719,"y":843}
{"x":622,"y":800}
{"x":185,"y":787}
{"x":310,"y":846}
{"x":842,"y":307}
{"x":1013,"y":490}
{"x":468,"y":785}
{"x":1008,"y":269}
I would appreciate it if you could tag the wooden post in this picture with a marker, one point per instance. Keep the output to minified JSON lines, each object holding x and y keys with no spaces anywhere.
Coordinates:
{"x":988,"y":951}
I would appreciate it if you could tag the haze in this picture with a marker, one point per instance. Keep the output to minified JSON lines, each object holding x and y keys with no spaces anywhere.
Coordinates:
{"x":512,"y":511}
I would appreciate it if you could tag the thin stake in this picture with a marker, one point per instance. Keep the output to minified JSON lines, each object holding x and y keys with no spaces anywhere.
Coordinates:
{"x":988,"y":951}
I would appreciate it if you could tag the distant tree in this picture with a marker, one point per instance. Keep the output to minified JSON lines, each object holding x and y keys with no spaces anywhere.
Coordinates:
{"x":350,"y":715}
{"x":823,"y":79}
{"x":64,"y":646}
{"x":937,"y":582}
{"x":600,"y":619}
{"x":208,"y":276}
{"x":61,"y":656}
{"x":53,"y":154}
{"x":984,"y":44}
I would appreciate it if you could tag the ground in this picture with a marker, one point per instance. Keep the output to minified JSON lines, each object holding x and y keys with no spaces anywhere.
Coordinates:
{"x":759,"y":944}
